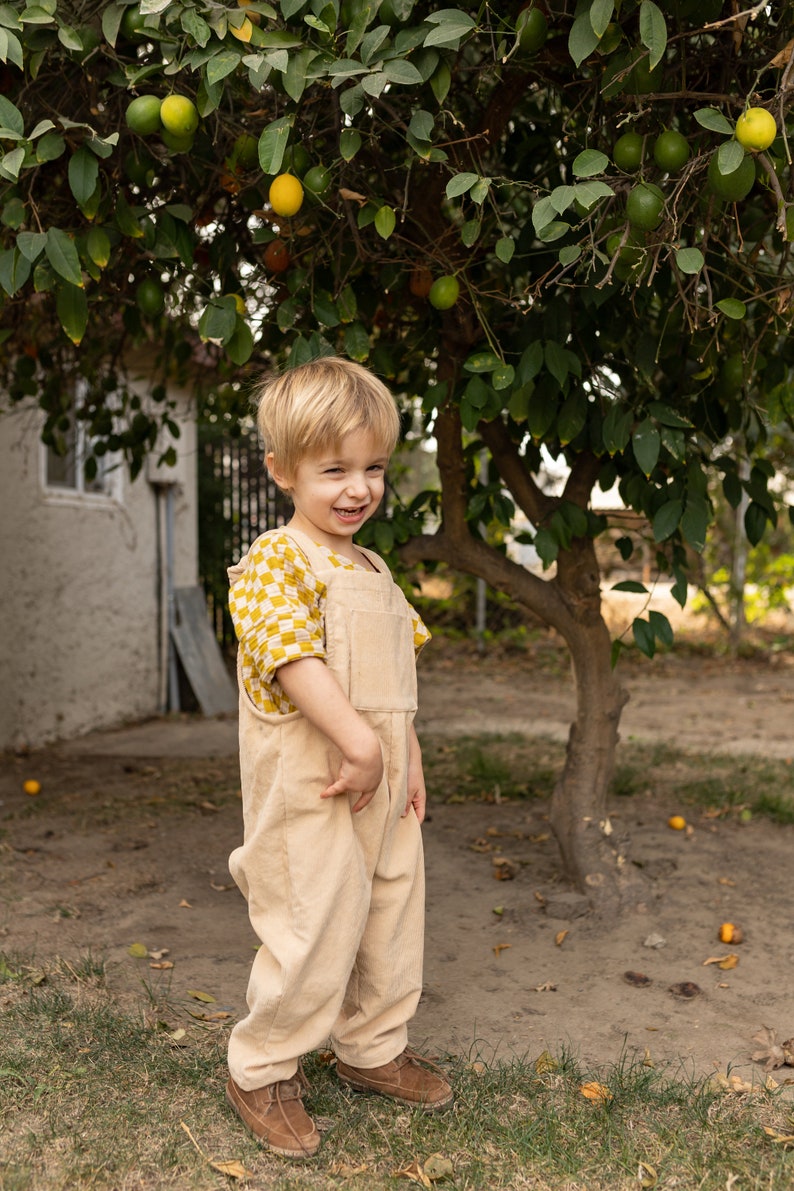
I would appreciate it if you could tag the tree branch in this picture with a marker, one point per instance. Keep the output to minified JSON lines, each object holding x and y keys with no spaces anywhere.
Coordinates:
{"x":512,"y":468}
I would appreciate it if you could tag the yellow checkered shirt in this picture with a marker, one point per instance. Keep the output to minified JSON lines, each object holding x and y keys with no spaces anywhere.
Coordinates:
{"x":278,"y":610}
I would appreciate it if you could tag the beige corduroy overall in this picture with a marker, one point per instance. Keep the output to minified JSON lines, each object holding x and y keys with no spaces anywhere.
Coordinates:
{"x":336,"y":898}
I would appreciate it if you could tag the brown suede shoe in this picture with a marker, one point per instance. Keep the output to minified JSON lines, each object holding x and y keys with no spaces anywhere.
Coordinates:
{"x":276,"y":1117}
{"x":403,"y":1080}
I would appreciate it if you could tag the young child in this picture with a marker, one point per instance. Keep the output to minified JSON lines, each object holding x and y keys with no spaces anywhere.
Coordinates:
{"x":333,"y":792}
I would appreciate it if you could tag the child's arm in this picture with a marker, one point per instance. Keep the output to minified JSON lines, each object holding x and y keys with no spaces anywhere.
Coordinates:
{"x":312,"y":688}
{"x":417,"y":796}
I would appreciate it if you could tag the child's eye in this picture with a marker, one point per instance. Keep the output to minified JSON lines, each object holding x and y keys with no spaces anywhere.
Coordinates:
{"x":377,"y":468}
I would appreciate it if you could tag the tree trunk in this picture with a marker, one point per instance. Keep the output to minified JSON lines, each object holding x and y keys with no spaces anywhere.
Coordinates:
{"x":591,"y":851}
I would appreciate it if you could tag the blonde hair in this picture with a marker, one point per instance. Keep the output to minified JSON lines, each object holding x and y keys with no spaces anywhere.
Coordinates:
{"x":315,"y":405}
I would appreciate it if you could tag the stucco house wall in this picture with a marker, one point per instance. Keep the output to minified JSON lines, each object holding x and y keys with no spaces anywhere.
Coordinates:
{"x":83,"y":615}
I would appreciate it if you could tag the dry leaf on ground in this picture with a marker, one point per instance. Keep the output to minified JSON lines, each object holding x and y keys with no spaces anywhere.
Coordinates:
{"x":597,"y":1092}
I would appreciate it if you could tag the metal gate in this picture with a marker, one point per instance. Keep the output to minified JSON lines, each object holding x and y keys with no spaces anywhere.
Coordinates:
{"x":237,"y":500}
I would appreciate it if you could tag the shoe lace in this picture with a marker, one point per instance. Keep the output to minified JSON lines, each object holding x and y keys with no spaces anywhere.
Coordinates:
{"x":413,"y":1056}
{"x":293,"y":1089}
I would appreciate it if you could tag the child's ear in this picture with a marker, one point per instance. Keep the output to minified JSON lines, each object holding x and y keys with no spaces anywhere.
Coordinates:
{"x":280,"y":477}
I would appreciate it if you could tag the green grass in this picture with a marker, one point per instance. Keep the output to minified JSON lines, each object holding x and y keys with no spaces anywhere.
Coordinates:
{"x":490,"y":768}
{"x":91,"y":1097}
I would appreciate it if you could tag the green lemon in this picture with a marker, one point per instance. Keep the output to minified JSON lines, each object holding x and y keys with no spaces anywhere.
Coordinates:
{"x":627,"y":151}
{"x":532,"y":29}
{"x":671,"y":151}
{"x":296,"y":160}
{"x":317,"y":180}
{"x":177,"y":144}
{"x":143,"y":115}
{"x":735,"y":186}
{"x":150,"y":297}
{"x":131,"y":25}
{"x":444,"y":292}
{"x":245,"y":151}
{"x":645,"y":206}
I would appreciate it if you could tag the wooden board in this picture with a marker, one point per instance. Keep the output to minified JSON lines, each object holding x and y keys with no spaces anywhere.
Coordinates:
{"x":200,"y":653}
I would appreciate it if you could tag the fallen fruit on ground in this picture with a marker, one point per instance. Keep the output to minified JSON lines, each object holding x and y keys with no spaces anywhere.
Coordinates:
{"x":756,"y":129}
{"x":286,"y":195}
{"x":731,"y":933}
{"x":179,"y":115}
{"x":31,"y":786}
{"x":143,"y":115}
{"x":444,"y":292}
{"x":677,"y":822}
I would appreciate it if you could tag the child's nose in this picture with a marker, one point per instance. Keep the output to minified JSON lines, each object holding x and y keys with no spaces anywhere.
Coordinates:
{"x":357,"y":483}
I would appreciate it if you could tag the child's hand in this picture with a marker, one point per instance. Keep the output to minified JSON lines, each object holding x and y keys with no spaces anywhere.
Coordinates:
{"x":417,"y":795}
{"x":361,"y":772}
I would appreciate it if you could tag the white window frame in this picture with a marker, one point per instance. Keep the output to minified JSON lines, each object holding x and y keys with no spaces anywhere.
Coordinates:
{"x":106,"y":489}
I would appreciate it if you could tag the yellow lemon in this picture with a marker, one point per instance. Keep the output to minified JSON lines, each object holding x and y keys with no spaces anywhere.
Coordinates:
{"x":31,"y":786}
{"x":756,"y":129}
{"x":286,"y":195}
{"x":179,"y":115}
{"x":677,"y":822}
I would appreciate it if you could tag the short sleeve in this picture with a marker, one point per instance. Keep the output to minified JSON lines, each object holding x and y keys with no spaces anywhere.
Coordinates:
{"x":276,"y":605}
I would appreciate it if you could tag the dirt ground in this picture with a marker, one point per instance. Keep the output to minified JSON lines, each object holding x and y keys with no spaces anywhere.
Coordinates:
{"x":128,"y":839}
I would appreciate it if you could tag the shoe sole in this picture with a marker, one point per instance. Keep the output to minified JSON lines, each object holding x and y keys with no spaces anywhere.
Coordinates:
{"x":306,"y":1155}
{"x":422,"y":1105}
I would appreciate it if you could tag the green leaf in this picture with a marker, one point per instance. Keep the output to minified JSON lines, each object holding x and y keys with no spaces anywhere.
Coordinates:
{"x":541,"y":412}
{"x":730,"y":156}
{"x":572,"y":417}
{"x":11,"y":49}
{"x":240,"y":347}
{"x":296,"y":75}
{"x":630,"y":585}
{"x":589,"y":162}
{"x":470,"y":231}
{"x":616,"y":429}
{"x":600,"y":16}
{"x":221,"y":65}
{"x":714,"y":121}
{"x":385,"y":221}
{"x":561,"y":198}
{"x":690,"y":260}
{"x":695,"y":523}
{"x":325,"y":310}
{"x":646,"y":445}
{"x":479,"y":191}
{"x":11,"y":117}
{"x":644,"y":637}
{"x":582,"y":39}
{"x":653,"y":31}
{"x":50,"y":147}
{"x":569,"y":254}
{"x":398,"y":70}
{"x":14,"y":270}
{"x":667,"y":416}
{"x":755,"y":519}
{"x":460,"y":183}
{"x":273,"y":143}
{"x":62,"y":255}
{"x":505,"y":247}
{"x":357,"y":342}
{"x":71,"y":305}
{"x":83,"y":174}
{"x":11,"y":163}
{"x":349,"y":143}
{"x":732,"y":308}
{"x":547,"y":547}
{"x":556,"y":360}
{"x":662,"y":629}
{"x":531,"y":362}
{"x":667,"y":520}
{"x":31,"y":244}
{"x":451,"y":26}
{"x":503,"y":377}
{"x":218,"y":321}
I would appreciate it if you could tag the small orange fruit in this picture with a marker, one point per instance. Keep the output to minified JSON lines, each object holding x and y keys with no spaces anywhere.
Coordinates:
{"x":730,"y":933}
{"x":31,"y":786}
{"x":276,"y":256}
{"x":677,"y":822}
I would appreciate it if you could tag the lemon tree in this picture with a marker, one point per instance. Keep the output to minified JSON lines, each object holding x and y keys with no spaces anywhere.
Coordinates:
{"x":561,"y":229}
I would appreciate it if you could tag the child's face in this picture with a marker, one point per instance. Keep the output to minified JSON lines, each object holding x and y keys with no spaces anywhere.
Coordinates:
{"x":336,"y":489}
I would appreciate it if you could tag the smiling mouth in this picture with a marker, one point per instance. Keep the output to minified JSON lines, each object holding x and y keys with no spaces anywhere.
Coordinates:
{"x":356,"y":512}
